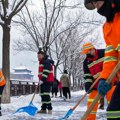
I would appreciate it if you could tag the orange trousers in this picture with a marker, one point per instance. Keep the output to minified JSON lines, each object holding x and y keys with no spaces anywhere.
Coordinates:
{"x":92,"y":95}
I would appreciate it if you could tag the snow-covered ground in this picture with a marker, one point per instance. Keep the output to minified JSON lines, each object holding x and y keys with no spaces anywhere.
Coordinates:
{"x":60,"y":108}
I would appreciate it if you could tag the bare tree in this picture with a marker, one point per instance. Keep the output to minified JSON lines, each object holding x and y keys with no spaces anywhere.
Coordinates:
{"x":71,"y":54}
{"x":72,"y":59}
{"x":40,"y":28}
{"x":54,"y":31}
{"x":8,"y":9}
{"x":45,"y":29}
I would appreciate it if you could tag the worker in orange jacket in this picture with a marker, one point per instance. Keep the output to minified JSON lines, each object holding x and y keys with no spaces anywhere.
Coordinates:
{"x":2,"y":84}
{"x":110,"y":9}
{"x":92,"y":66}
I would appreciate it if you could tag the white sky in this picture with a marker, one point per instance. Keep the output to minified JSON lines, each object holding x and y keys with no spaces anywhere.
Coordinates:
{"x":21,"y":59}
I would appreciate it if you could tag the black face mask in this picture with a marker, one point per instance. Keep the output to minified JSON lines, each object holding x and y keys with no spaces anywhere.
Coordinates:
{"x":90,"y":56}
{"x":107,"y":10}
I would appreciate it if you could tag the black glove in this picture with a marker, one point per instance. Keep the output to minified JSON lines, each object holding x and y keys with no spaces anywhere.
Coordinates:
{"x":87,"y":87}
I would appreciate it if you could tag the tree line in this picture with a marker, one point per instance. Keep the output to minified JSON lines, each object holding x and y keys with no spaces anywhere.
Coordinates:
{"x":58,"y":26}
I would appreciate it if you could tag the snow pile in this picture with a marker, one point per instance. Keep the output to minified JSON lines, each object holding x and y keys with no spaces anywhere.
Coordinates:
{"x":60,"y":108}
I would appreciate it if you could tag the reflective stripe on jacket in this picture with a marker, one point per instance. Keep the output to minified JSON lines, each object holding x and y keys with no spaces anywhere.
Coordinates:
{"x":93,"y":67}
{"x":2,"y":79}
{"x":46,"y":72}
{"x":111,"y":32}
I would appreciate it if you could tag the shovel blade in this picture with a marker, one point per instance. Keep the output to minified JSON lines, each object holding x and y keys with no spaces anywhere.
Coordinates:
{"x":70,"y":111}
{"x":30,"y":109}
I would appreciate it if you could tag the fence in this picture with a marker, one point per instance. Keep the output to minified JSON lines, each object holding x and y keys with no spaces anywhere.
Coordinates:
{"x":18,"y":88}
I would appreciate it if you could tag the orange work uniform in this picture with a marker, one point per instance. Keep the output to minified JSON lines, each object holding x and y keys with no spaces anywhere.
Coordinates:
{"x":92,"y":67}
{"x":2,"y":82}
{"x":111,"y":32}
{"x":2,"y":79}
{"x":92,"y":95}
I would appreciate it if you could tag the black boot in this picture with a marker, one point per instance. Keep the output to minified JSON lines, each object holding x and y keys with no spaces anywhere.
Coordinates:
{"x":101,"y":104}
{"x":101,"y":107}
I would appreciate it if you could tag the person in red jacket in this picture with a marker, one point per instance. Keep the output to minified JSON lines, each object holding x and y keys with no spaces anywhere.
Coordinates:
{"x":46,"y":78}
{"x":110,"y":9}
{"x":2,"y":85}
{"x":92,"y":66}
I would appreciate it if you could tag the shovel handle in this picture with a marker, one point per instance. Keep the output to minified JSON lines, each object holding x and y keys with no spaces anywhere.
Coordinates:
{"x":79,"y":101}
{"x":85,"y":94}
{"x":36,"y":87}
{"x":91,"y":87}
{"x":109,"y":80}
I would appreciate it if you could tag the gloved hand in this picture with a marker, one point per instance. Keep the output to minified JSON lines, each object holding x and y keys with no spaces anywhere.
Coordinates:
{"x":89,"y":91}
{"x":87,"y":87}
{"x":40,"y":82}
{"x":103,"y":87}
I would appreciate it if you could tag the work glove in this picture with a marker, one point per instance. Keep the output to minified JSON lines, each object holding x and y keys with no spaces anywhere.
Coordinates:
{"x":103,"y":87}
{"x":87,"y":87}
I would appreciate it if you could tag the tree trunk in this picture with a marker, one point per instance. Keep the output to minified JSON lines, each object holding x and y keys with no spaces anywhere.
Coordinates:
{"x":6,"y":63}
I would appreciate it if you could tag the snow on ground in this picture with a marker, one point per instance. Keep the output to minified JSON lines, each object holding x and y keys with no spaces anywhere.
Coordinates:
{"x":60,"y":108}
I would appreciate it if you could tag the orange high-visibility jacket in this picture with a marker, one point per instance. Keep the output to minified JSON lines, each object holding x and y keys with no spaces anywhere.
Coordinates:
{"x":111,"y":32}
{"x":2,"y":79}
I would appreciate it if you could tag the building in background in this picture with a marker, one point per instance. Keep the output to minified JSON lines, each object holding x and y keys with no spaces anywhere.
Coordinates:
{"x":22,"y":81}
{"x":21,"y":74}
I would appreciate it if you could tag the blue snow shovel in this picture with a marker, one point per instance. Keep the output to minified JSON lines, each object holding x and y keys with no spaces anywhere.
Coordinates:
{"x":70,"y":111}
{"x":30,"y":109}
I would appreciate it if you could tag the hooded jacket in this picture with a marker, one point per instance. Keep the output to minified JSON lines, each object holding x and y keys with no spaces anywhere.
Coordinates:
{"x":92,"y":68}
{"x":111,"y":32}
{"x":46,"y":70}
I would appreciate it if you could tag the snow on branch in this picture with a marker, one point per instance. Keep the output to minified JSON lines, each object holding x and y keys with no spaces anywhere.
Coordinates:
{"x":1,"y":21}
{"x":16,"y":8}
{"x":8,"y":8}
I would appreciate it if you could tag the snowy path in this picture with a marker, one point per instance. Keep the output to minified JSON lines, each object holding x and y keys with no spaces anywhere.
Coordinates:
{"x":60,"y":108}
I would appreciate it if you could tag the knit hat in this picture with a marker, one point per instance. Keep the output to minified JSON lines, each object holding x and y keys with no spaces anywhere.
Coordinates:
{"x":86,"y":47}
{"x":41,"y":51}
{"x":88,"y":4}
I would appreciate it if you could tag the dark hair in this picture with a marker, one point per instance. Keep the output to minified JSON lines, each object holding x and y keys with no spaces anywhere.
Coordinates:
{"x":41,"y":51}
{"x":65,"y":71}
